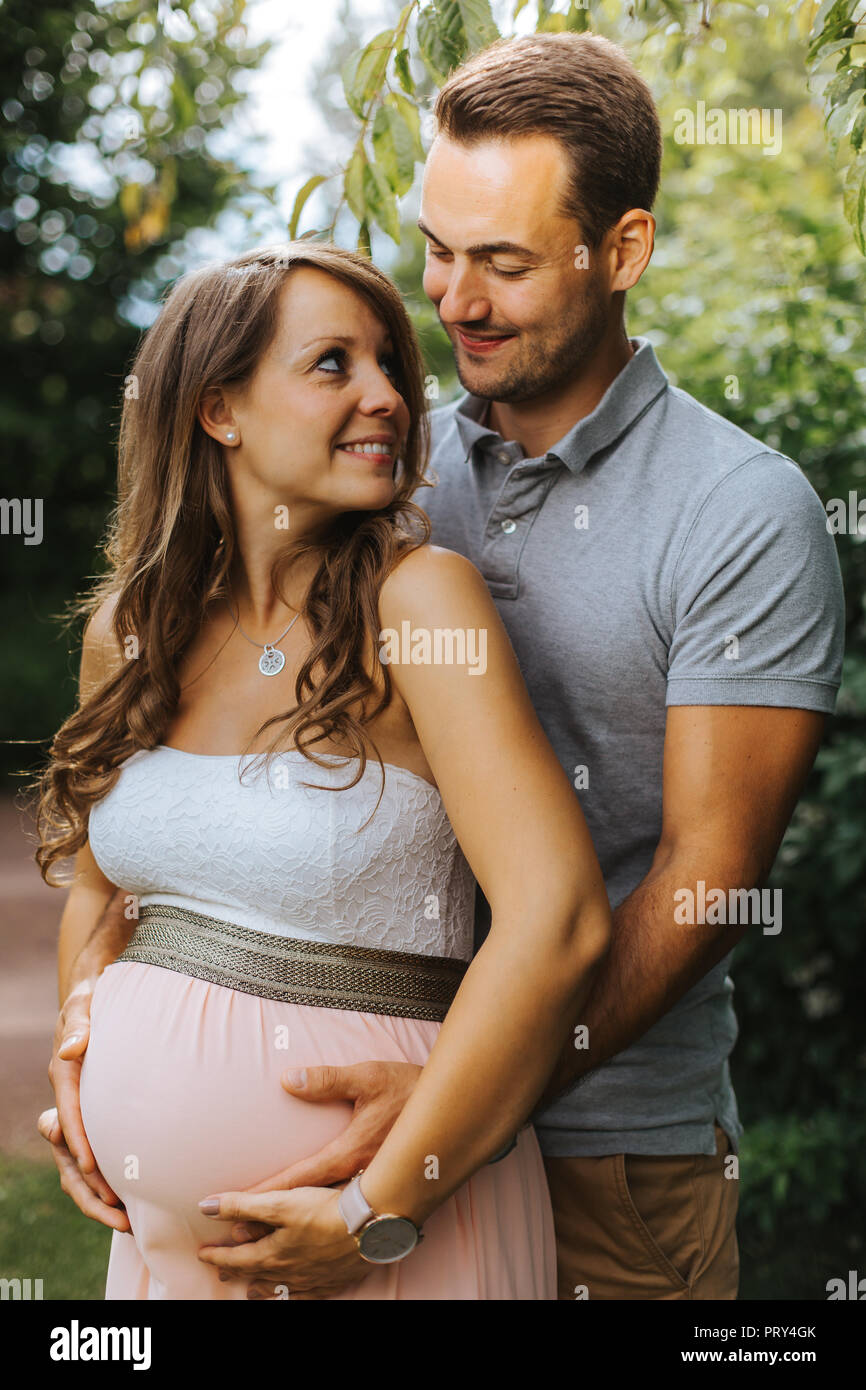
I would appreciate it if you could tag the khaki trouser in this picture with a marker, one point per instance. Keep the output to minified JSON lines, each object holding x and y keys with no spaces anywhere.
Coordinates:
{"x":636,"y":1226}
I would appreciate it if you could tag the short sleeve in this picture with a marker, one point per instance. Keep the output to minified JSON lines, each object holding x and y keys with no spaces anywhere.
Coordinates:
{"x":757,"y":601}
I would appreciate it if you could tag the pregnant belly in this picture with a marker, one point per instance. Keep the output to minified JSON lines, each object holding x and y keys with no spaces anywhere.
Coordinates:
{"x":181,"y":1093}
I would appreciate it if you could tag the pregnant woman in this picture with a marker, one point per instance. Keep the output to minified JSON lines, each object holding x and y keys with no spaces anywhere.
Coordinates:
{"x":296,"y":816}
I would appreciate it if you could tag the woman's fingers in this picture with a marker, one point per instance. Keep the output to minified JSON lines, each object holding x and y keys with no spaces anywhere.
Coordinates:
{"x":49,"y":1126}
{"x":73,"y":1184}
{"x":66,"y":1080}
{"x":71,"y":1037}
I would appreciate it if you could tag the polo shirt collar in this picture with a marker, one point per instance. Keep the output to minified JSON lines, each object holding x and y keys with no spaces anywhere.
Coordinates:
{"x":631,"y":391}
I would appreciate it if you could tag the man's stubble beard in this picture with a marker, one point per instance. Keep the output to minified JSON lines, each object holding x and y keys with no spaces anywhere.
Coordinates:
{"x":544,"y":364}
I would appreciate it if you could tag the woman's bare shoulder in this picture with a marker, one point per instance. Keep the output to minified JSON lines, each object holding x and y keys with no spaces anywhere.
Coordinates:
{"x":433,"y":575}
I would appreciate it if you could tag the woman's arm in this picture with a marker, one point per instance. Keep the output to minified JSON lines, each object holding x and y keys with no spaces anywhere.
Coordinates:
{"x":82,"y":952}
{"x":521,"y":828}
{"x":518,"y":821}
{"x":93,"y":932}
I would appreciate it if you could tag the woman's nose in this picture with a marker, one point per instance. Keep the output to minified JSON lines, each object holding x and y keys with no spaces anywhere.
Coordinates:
{"x":380,"y":394}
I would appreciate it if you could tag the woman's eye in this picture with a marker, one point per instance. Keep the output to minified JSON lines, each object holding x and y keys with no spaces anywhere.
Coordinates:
{"x":336,"y":357}
{"x":389,"y":366}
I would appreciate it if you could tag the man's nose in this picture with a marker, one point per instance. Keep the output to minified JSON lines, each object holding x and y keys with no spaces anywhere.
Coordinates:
{"x":464,"y":300}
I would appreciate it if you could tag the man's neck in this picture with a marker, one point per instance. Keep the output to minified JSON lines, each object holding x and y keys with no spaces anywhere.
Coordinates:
{"x":539,"y":423}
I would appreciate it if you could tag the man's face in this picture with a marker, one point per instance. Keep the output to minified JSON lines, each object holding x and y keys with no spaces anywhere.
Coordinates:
{"x":500,"y":267}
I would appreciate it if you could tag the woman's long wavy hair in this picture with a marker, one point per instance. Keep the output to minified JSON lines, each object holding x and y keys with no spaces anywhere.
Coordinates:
{"x":171,"y":540}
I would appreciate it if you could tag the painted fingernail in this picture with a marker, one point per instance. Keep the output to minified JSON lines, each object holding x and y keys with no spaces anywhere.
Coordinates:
{"x":209,"y":1206}
{"x":298,"y":1079}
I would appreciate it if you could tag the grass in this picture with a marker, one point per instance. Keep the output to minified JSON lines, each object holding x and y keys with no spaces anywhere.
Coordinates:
{"x":44,"y":1236}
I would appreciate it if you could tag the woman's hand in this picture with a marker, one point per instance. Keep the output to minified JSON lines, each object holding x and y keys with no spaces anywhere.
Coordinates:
{"x":307,"y":1254}
{"x":63,"y":1127}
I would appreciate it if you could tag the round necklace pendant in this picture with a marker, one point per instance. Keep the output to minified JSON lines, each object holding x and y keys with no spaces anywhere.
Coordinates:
{"x":271,"y":661}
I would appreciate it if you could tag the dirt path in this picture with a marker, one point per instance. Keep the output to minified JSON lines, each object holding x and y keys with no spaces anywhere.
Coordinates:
{"x":29,"y":919}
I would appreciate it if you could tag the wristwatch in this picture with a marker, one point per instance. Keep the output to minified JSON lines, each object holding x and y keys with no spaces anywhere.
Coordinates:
{"x":381,"y":1240}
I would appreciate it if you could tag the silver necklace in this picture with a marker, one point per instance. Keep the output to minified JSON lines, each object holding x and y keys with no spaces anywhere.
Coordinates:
{"x":271,"y":661}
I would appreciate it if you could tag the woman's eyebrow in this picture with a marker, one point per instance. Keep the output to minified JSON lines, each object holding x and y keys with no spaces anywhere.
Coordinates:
{"x":485,"y":248}
{"x":346,"y":338}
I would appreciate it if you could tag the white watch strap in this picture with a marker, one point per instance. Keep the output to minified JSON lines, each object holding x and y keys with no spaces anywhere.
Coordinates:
{"x":354,"y":1207}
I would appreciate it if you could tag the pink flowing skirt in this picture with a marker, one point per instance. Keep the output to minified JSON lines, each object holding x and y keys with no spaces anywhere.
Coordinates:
{"x":181,"y":1097}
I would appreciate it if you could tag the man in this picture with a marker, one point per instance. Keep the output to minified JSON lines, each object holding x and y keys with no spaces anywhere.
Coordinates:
{"x":674,"y":600}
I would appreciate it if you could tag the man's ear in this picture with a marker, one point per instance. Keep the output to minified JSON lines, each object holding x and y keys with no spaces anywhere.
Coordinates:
{"x":631,"y":245}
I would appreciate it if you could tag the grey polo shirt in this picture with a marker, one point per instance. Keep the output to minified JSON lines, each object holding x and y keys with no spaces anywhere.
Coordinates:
{"x":656,"y":555}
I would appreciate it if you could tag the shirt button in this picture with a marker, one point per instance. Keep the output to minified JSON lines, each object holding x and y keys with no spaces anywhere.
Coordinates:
{"x":503,"y":455}
{"x":508,"y":526}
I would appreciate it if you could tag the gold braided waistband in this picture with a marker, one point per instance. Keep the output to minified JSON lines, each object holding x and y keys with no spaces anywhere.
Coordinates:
{"x":299,"y":972}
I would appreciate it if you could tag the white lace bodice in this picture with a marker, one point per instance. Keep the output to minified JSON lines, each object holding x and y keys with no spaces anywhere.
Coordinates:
{"x":271,"y":854}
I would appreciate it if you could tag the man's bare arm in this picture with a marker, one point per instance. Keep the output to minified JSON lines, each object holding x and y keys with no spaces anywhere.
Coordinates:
{"x":732,"y":776}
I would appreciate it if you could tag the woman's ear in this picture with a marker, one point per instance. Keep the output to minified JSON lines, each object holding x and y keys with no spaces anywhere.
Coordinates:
{"x":217,"y":419}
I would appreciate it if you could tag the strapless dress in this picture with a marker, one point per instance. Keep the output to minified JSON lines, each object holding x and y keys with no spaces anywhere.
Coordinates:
{"x":180,"y":1085}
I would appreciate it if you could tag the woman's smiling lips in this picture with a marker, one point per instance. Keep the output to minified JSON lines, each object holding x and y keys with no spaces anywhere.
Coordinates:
{"x":482,"y":345}
{"x":379,"y":448}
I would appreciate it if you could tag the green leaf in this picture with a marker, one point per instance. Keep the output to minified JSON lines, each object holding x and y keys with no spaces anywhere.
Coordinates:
{"x":677,"y":10}
{"x":353,"y":183}
{"x":184,"y":102}
{"x":479,"y":25}
{"x":394,"y":149}
{"x":577,"y":19}
{"x":364,"y":239}
{"x":380,"y":202}
{"x":364,"y":73}
{"x":404,"y":72}
{"x":854,"y":199}
{"x":831,"y":23}
{"x":441,"y":39}
{"x":411,"y":115}
{"x":848,"y":81}
{"x":842,"y":116}
{"x":303,"y":194}
{"x":521,"y":5}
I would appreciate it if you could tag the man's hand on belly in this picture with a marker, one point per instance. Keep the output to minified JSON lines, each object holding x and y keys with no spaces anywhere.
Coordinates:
{"x":307,"y":1253}
{"x":378,"y":1091}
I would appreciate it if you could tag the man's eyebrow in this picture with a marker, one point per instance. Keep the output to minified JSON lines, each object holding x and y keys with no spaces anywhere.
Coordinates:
{"x":486,"y":247}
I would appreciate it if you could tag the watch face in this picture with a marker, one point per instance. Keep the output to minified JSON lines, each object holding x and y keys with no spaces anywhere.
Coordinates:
{"x":387,"y":1239}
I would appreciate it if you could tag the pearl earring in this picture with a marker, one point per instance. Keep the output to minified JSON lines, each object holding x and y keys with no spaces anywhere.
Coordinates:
{"x":230,"y":434}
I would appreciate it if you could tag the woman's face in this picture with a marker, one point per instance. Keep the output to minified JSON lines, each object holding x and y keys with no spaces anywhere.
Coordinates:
{"x":321,"y":423}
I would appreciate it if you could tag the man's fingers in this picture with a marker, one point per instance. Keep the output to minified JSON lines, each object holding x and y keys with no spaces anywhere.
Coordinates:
{"x":239,"y":1259}
{"x":249,"y":1230}
{"x":324,"y":1083}
{"x":337,"y":1162}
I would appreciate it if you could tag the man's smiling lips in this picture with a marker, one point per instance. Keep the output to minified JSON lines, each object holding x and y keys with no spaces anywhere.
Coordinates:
{"x":482,"y":345}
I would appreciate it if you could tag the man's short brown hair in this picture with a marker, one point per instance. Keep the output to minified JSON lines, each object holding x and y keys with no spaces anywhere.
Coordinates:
{"x":579,"y":88}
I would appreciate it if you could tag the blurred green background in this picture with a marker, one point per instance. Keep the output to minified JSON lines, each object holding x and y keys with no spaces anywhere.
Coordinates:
{"x":754,"y":302}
